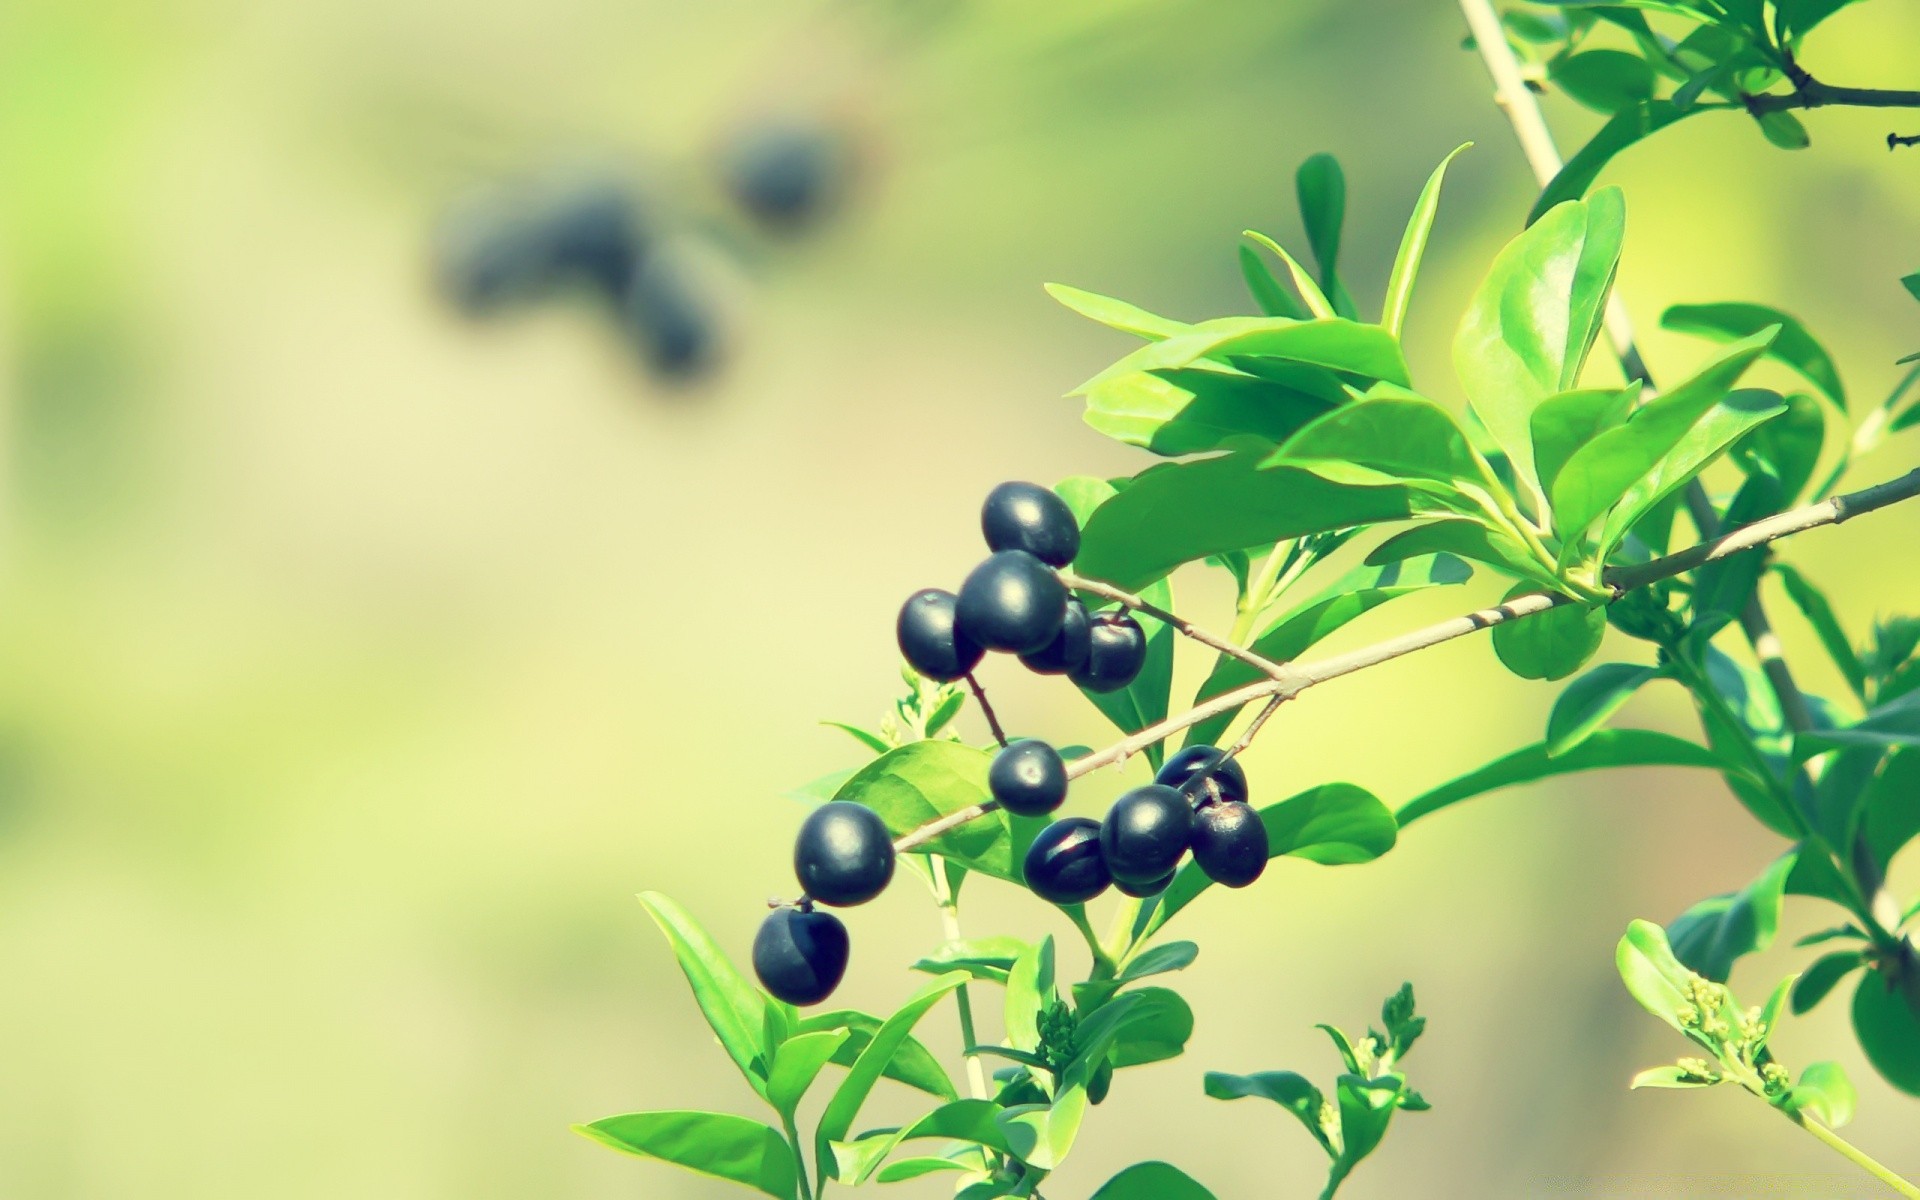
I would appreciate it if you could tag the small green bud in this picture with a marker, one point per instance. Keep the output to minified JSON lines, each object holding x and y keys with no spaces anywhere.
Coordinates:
{"x":1775,"y":1077}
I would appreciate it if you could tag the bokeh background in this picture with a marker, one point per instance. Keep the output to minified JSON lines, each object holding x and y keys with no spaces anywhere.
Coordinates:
{"x":359,"y":661}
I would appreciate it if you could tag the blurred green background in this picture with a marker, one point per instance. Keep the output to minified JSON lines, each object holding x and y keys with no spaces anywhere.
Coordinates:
{"x":358,"y":663}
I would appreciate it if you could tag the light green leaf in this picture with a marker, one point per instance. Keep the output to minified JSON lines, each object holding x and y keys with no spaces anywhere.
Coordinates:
{"x":735,"y":1009}
{"x":1653,"y":976}
{"x":1385,"y":439}
{"x":1724,"y":424}
{"x":1534,"y":319}
{"x":972,"y":1121}
{"x":1117,"y":314}
{"x":911,"y":1063}
{"x":718,"y":1144}
{"x":915,"y":783}
{"x":1603,"y":749}
{"x":1303,"y":282}
{"x":1273,"y":300}
{"x":1824,"y":1093}
{"x":1413,"y":247}
{"x":1713,"y":934}
{"x":1041,"y":1135}
{"x":1030,"y":989}
{"x":1603,"y":470}
{"x":913,"y":1168}
{"x":1793,"y":347}
{"x":1289,"y":1090}
{"x":1366,"y":351}
{"x":1173,"y":956}
{"x":1187,"y":410}
{"x":871,"y":1065}
{"x":1178,"y":512}
{"x":1467,"y":538}
{"x":1566,"y":421}
{"x":1152,"y":1181}
{"x":1669,"y":1077}
{"x":1586,"y":704}
{"x":1604,"y":80}
{"x":1551,"y":644}
{"x":797,"y":1062}
{"x":1155,"y":1028}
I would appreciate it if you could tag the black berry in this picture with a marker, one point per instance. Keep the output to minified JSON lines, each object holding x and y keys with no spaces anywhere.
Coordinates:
{"x":1064,"y":864}
{"x":1067,"y":652}
{"x":1012,"y":602}
{"x":844,"y":854}
{"x":1026,"y":516}
{"x":668,"y":320}
{"x":1184,"y":771}
{"x":1140,"y":891}
{"x":1230,"y":843}
{"x":1116,"y":650}
{"x":1028,"y":778}
{"x":928,"y":639}
{"x":800,"y":955}
{"x":787,"y":174}
{"x":1145,"y":833}
{"x":594,"y":233}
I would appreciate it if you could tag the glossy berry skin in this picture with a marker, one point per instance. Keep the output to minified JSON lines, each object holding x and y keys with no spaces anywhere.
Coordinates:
{"x":1011,"y":602}
{"x":1230,"y":843}
{"x":1182,"y":770}
{"x":928,"y":640}
{"x":1026,"y":516}
{"x":1067,"y":652}
{"x":1116,"y":650}
{"x":1145,"y":833}
{"x":1140,"y":891}
{"x":800,"y":955}
{"x":1064,"y":865}
{"x":843,"y":854}
{"x":1028,"y":778}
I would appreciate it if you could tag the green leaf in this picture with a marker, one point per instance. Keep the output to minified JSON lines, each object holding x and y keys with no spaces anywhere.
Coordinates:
{"x":1289,"y":1090}
{"x":1586,"y":704}
{"x":1178,"y":512}
{"x":1303,"y":282}
{"x":911,"y":1063}
{"x":1152,"y":1181}
{"x":972,"y":1121}
{"x":1366,"y":351}
{"x":1566,"y":421}
{"x":1322,"y":189}
{"x":1723,"y":424}
{"x":1464,"y":537}
{"x":797,"y":1062}
{"x":1793,"y":347}
{"x":1173,"y":956}
{"x":1040,"y":1135}
{"x":1187,"y":410}
{"x":913,"y":1168}
{"x":1889,"y":1031}
{"x":1273,"y":300}
{"x":1889,"y":819}
{"x":867,"y":738}
{"x":1155,"y":1028}
{"x":1653,"y":976}
{"x":1669,"y":1076}
{"x":1366,"y":1106}
{"x":1605,"y":748}
{"x":1892,"y":725}
{"x":983,"y":957}
{"x":1606,"y":468}
{"x":1713,"y":934}
{"x":1413,"y":247}
{"x":735,"y":1009}
{"x":1784,"y":130}
{"x":1357,"y":592}
{"x":1604,"y":80}
{"x":1786,"y":447}
{"x":871,"y":1065}
{"x":1030,"y":989}
{"x":1825,"y":1093}
{"x":1334,"y":824}
{"x":1117,"y":314}
{"x":1798,"y":17}
{"x":915,"y":783}
{"x":1534,"y":318}
{"x":1813,"y":605}
{"x":1822,"y":977}
{"x":718,"y":1144}
{"x":1551,"y":644}
{"x":1388,"y":439}
{"x":1627,"y":126}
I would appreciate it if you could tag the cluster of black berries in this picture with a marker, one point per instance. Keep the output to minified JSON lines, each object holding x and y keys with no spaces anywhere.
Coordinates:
{"x":1014,"y":602}
{"x":1197,"y":801}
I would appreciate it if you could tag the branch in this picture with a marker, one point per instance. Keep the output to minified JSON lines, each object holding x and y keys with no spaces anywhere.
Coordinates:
{"x":1811,"y":93}
{"x":986,"y":710}
{"x":1260,"y":663}
{"x":1291,"y":679}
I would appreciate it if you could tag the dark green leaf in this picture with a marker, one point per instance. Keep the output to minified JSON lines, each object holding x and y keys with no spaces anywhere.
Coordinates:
{"x":1794,"y":346}
{"x":1152,"y":1181}
{"x":1178,"y":512}
{"x":1884,"y":1021}
{"x":1322,"y":188}
{"x":1174,"y":956}
{"x":1552,"y":644}
{"x":1889,"y":818}
{"x":1273,"y":299}
{"x":1366,"y":1106}
{"x":1155,"y":1028}
{"x":1289,"y":1090}
{"x":1606,"y":748}
{"x":1586,"y":704}
{"x":1822,"y":977}
{"x":735,"y":1009}
{"x":1786,"y":447}
{"x":1627,"y":126}
{"x":1711,"y":935}
{"x":1604,"y":80}
{"x":1812,"y":603}
{"x":1784,"y":130}
{"x":1535,"y":316}
{"x":718,"y":1144}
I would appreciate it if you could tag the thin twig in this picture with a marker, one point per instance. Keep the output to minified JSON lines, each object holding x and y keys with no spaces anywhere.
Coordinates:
{"x":986,"y":710}
{"x":1811,"y":93}
{"x":1259,"y":662}
{"x":1294,"y":678}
